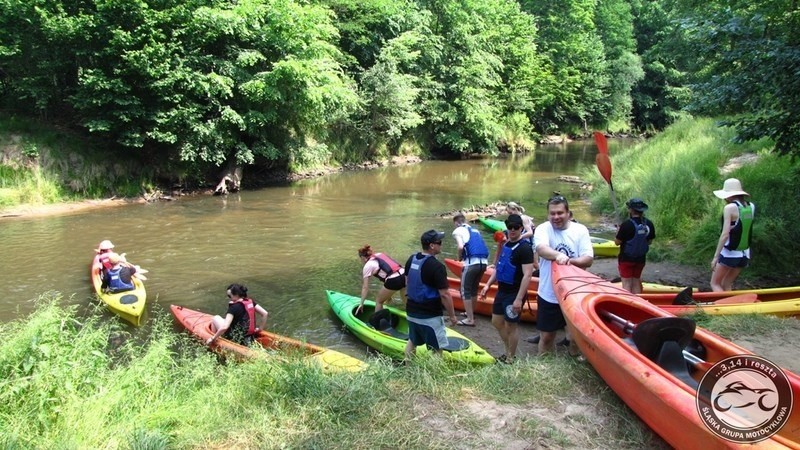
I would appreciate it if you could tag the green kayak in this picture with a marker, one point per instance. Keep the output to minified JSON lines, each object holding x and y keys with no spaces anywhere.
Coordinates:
{"x":392,"y":340}
{"x":602,"y":247}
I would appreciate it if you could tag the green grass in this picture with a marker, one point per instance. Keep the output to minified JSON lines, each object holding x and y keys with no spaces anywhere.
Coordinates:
{"x":676,"y":173}
{"x":81,"y":381}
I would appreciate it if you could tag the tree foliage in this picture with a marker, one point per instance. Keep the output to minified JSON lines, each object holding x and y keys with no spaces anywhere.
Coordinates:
{"x":747,"y":59}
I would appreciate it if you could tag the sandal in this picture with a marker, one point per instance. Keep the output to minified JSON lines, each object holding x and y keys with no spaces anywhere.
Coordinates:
{"x":501,"y":358}
{"x":464,"y":314}
{"x":464,"y":323}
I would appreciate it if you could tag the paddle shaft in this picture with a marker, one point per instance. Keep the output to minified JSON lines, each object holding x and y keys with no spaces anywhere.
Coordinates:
{"x":628,"y":326}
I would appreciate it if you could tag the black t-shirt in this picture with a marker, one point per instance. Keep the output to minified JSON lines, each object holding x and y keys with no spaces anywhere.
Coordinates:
{"x":626,"y":232}
{"x":241,"y":322}
{"x":434,"y":274}
{"x":521,"y":255}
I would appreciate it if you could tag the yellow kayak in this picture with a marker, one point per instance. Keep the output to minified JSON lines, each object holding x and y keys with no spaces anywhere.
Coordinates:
{"x":130,"y":305}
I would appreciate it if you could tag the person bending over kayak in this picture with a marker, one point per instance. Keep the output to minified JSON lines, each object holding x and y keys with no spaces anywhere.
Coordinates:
{"x":384,"y":268}
{"x":119,"y":278}
{"x":239,"y":324}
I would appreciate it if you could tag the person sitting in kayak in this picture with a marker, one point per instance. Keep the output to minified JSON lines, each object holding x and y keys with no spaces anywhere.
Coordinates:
{"x":119,"y":278}
{"x":103,"y":250}
{"x":384,"y":268}
{"x":239,"y":324}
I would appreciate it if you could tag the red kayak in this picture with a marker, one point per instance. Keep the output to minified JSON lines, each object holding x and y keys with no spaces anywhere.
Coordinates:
{"x":483,"y":307}
{"x":641,"y":352}
{"x":199,"y":324}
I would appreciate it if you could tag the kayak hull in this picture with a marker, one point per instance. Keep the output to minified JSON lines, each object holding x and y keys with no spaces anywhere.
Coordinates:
{"x":129,"y":305}
{"x":199,"y":325}
{"x":393,"y":343}
{"x":659,"y":398}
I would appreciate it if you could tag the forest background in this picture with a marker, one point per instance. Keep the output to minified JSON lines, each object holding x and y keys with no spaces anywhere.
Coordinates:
{"x":108,"y":97}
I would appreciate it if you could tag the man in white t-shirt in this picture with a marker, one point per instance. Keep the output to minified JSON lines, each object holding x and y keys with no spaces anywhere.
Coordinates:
{"x":564,"y":242}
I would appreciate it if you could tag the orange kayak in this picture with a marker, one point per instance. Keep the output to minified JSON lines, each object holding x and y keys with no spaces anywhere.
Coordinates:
{"x":199,"y":324}
{"x":483,"y":306}
{"x":764,"y":295}
{"x":633,"y":355}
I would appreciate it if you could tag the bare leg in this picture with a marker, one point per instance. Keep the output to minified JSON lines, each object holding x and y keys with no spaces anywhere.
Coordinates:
{"x":628,"y":284}
{"x":470,"y":309}
{"x":723,"y":277}
{"x":411,"y":351}
{"x":547,"y":342}
{"x":730,"y":277}
{"x":512,"y":334}
{"x":499,"y":323}
{"x":384,"y":295}
{"x":217,"y":322}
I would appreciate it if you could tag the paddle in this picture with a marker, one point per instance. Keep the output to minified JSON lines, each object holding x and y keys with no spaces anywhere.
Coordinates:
{"x":601,"y":142}
{"x":628,"y":328}
{"x":604,"y":164}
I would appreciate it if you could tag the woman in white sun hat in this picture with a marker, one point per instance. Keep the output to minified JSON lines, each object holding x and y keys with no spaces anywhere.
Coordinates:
{"x":733,"y":249}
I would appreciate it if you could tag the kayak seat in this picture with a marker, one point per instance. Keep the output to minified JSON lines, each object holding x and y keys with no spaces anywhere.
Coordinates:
{"x":662,"y":340}
{"x":455,"y":344}
{"x":128,"y":299}
{"x":670,"y":358}
{"x":684,"y":297}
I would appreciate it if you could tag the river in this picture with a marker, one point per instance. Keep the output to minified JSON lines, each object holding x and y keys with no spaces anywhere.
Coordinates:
{"x":287,"y":244}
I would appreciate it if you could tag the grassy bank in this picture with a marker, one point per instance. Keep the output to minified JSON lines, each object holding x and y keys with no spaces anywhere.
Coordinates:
{"x":78,"y":381}
{"x":676,"y":173}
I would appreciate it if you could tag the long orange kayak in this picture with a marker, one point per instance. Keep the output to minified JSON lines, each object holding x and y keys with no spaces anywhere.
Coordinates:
{"x":764,"y":295}
{"x":640,"y":351}
{"x":199,"y":324}
{"x":457,"y":267}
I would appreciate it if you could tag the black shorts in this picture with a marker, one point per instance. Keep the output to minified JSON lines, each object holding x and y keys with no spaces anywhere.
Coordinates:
{"x":549,"y":316}
{"x":503,"y":300}
{"x":395,"y":284}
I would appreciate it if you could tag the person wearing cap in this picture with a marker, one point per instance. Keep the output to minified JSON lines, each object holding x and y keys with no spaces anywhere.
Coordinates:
{"x":472,"y":250}
{"x":427,"y":294}
{"x":384,"y":268}
{"x":560,"y":241}
{"x":527,"y":221}
{"x":513,"y":275}
{"x":119,"y":277}
{"x":634,"y":236}
{"x":733,"y":248}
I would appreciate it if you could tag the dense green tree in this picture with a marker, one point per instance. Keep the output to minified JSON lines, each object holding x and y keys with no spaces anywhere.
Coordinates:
{"x":614,"y":22}
{"x":747,"y":58}
{"x":569,"y":38}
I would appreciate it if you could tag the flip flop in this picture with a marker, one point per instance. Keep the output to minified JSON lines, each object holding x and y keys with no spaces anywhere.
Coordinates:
{"x":464,"y":314}
{"x":464,"y":323}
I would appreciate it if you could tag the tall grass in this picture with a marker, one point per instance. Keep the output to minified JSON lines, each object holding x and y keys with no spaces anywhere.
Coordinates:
{"x":676,"y":173}
{"x":74,"y":381}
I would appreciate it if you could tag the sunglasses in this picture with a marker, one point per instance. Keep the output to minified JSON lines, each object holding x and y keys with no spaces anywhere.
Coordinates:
{"x":557,"y":199}
{"x":515,"y":227}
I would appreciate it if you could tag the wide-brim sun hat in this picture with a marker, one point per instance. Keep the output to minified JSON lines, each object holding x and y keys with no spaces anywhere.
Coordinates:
{"x":105,"y":245}
{"x":730,"y":188}
{"x":637,"y":204}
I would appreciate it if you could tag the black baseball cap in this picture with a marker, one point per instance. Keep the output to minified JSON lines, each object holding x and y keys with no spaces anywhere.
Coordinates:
{"x":430,"y":237}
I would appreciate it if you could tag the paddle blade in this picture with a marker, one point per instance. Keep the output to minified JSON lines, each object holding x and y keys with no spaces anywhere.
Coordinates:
{"x":738,"y":299}
{"x":601,"y":142}
{"x":604,"y":166}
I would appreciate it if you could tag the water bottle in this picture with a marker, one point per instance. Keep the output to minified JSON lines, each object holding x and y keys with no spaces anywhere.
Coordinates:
{"x":510,"y":312}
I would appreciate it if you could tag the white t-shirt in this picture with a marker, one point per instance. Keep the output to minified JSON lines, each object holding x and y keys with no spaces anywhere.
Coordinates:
{"x":573,"y":242}
{"x":370,"y":267}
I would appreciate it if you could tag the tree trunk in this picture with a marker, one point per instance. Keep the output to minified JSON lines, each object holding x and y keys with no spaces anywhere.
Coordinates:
{"x":231,"y":179}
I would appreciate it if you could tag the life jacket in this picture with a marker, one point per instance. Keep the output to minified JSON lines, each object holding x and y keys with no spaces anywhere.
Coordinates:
{"x":416,"y":290}
{"x":638,"y":246}
{"x":250,"y":309}
{"x":505,"y":270}
{"x":104,"y":261}
{"x":115,"y":281}
{"x":475,"y":248}
{"x":739,"y":238}
{"x":387,"y":266}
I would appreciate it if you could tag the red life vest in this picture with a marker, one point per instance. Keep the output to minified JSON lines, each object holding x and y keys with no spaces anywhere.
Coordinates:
{"x":387,"y":266}
{"x":250,"y":308}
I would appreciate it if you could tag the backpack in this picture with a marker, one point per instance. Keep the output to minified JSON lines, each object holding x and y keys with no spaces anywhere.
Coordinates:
{"x":638,"y":246}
